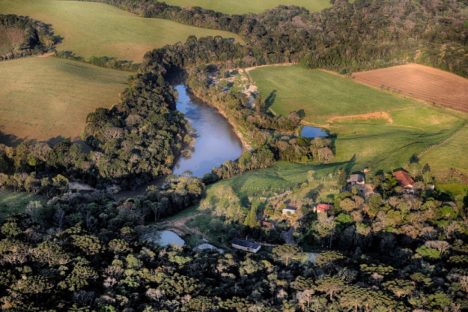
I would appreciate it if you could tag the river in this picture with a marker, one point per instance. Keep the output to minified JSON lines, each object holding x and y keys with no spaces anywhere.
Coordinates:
{"x":215,"y":140}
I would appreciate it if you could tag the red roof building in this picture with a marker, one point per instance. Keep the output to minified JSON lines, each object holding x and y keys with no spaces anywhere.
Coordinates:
{"x":404,"y":179}
{"x":322,"y":208}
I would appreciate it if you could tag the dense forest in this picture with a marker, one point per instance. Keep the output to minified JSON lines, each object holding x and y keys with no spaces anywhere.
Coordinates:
{"x":24,"y":36}
{"x":391,"y":251}
{"x":346,"y":37}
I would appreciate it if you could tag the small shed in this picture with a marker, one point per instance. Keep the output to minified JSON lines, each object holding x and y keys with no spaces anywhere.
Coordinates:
{"x":246,"y":245}
{"x":289,"y":211}
{"x":322,"y":208}
{"x":404,"y":179}
{"x":356,"y":178}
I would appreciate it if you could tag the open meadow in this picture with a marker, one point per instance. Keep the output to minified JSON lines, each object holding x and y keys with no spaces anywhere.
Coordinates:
{"x":97,"y":29}
{"x":14,"y":202}
{"x":376,"y":129}
{"x":421,"y":82}
{"x":254,"y":6}
{"x":47,"y":97}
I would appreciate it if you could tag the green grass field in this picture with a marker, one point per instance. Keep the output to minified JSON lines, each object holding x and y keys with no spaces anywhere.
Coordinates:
{"x":41,"y":98}
{"x":253,"y":6}
{"x":11,"y":203}
{"x":97,"y":29}
{"x":410,"y":127}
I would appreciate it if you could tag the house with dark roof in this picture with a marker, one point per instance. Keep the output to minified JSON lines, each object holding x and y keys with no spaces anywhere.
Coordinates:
{"x":246,"y":245}
{"x":356,"y":178}
{"x":404,"y":179}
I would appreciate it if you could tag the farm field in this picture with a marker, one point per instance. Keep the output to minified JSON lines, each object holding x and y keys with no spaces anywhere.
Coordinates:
{"x":421,"y":82}
{"x":47,"y":97}
{"x":375,"y":129}
{"x":97,"y":29}
{"x":255,"y":6}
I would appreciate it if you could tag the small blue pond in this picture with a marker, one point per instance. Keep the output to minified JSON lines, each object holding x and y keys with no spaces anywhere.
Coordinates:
{"x":313,"y":132}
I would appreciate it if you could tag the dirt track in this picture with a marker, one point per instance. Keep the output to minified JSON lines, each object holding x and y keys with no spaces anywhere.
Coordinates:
{"x":421,"y":82}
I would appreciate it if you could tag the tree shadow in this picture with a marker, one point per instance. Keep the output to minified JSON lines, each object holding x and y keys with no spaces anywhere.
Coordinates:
{"x":10,"y":139}
{"x":269,"y":101}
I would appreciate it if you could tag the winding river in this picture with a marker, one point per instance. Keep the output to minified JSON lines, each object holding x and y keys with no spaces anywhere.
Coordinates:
{"x":215,"y":140}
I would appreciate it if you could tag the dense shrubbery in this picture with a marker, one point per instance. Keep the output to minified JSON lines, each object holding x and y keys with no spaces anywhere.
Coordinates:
{"x":38,"y":37}
{"x":102,"y":61}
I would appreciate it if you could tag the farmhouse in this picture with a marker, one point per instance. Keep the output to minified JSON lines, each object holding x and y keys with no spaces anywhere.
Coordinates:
{"x":289,"y":211}
{"x":322,"y":208}
{"x":246,"y":245}
{"x":404,"y":179}
{"x":356,"y":178}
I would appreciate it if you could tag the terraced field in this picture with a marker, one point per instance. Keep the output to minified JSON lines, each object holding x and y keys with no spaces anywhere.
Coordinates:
{"x":46,"y":97}
{"x":97,"y":29}
{"x":374,"y":129}
{"x":421,"y":82}
{"x":253,"y":6}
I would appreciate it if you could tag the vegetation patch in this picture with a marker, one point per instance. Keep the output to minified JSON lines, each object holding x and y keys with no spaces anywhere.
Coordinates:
{"x":255,"y":6}
{"x":374,"y":143}
{"x":97,"y":29}
{"x":10,"y":39}
{"x":43,"y":98}
{"x":14,"y":202}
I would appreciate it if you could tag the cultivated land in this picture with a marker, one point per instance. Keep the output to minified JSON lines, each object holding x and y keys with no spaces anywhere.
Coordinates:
{"x":253,"y":6}
{"x":375,"y":129}
{"x":10,"y":38}
{"x":97,"y":29}
{"x":422,"y":82}
{"x":47,"y":97}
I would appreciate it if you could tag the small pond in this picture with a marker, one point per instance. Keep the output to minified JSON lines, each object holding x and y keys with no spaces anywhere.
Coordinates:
{"x":313,"y":132}
{"x":215,"y":140}
{"x":169,"y":238}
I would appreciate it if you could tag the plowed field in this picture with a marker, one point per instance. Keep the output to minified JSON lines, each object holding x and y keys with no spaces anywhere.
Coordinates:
{"x":421,"y":82}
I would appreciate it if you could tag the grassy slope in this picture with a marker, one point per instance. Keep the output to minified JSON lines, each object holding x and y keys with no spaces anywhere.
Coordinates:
{"x":41,"y":98}
{"x":11,"y":203}
{"x":96,"y":29}
{"x":375,"y":142}
{"x":252,"y":6}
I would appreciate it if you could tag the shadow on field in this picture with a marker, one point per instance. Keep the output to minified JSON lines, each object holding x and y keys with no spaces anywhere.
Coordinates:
{"x":10,"y":139}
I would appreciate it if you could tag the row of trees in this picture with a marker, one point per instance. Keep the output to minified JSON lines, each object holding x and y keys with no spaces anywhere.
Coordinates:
{"x":346,"y":37}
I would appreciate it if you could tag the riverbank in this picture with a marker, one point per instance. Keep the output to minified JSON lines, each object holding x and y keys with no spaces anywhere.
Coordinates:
{"x":220,"y":108}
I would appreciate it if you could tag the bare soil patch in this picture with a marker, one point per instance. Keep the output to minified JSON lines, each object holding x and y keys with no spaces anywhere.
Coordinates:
{"x":421,"y":82}
{"x":376,"y":115}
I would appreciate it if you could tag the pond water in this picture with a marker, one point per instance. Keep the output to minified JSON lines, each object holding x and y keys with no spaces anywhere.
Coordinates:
{"x":313,"y":132}
{"x":215,"y":140}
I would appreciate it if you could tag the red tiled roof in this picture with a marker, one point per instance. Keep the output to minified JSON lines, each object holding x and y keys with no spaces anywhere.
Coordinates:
{"x":403,"y":178}
{"x":323,"y":207}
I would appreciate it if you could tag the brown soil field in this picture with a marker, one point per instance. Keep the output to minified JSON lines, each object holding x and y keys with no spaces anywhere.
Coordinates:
{"x":421,"y":82}
{"x":377,"y":115}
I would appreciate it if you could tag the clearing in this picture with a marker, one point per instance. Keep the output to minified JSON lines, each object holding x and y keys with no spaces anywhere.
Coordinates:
{"x":43,"y":98}
{"x":252,"y":6}
{"x":97,"y":29}
{"x":376,"y":129}
{"x":14,"y":202}
{"x":421,"y":82}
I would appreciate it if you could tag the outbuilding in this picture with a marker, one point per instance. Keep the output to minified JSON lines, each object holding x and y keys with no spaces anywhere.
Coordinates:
{"x":246,"y":245}
{"x":404,"y":179}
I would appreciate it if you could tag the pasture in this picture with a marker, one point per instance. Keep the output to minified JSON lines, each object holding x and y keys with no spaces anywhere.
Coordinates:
{"x":97,"y":29}
{"x":253,"y":6}
{"x":46,"y":97}
{"x":421,"y":82}
{"x":374,"y":129}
